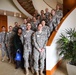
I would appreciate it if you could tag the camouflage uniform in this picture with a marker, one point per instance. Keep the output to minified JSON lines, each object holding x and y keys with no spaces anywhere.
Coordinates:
{"x":39,"y":40}
{"x":34,"y":25}
{"x":54,"y":21}
{"x":27,"y":48}
{"x":23,"y":26}
{"x":9,"y":43}
{"x":59,"y":14}
{"x":50,"y":26}
{"x":46,"y":30}
{"x":3,"y":43}
{"x":47,"y":16}
{"x":15,"y":29}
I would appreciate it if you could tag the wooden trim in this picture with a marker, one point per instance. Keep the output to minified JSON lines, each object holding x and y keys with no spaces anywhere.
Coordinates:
{"x":54,"y":32}
{"x":48,"y":4}
{"x":50,"y":72}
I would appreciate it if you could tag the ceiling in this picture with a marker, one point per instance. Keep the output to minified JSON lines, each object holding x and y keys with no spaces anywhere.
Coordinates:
{"x":60,"y":1}
{"x":27,"y":5}
{"x":9,"y":13}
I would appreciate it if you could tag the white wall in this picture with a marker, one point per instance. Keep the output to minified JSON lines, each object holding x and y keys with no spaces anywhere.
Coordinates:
{"x":51,"y":3}
{"x":11,"y":20}
{"x":40,"y":5}
{"x":51,"y":52}
{"x":8,"y":5}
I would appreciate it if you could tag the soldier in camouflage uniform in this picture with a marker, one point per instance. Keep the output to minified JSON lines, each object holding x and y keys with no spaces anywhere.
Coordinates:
{"x":45,"y":29}
{"x":39,"y":40}
{"x":3,"y":35}
{"x":15,"y":28}
{"x":50,"y":24}
{"x":54,"y":19}
{"x":59,"y":13}
{"x":23,"y":26}
{"x":42,"y":15}
{"x":28,"y":48}
{"x":47,"y":13}
{"x":9,"y":39}
{"x":34,"y":24}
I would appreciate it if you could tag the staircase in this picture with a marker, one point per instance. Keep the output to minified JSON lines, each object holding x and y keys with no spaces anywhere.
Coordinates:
{"x":27,"y":5}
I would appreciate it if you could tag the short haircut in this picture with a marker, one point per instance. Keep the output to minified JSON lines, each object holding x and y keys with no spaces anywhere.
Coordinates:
{"x":10,"y":26}
{"x":39,"y":24}
{"x":43,"y":20}
{"x":3,"y":27}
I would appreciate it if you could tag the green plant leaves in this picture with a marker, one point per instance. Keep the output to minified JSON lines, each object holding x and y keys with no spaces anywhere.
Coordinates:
{"x":67,"y":44}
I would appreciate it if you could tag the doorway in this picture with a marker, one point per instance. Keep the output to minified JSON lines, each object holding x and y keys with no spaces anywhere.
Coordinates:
{"x":3,"y":21}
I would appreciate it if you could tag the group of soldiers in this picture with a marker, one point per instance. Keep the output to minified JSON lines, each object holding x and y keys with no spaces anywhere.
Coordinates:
{"x":35,"y":34}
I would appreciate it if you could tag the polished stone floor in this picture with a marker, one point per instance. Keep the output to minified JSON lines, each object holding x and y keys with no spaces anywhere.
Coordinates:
{"x":61,"y":69}
{"x":9,"y":69}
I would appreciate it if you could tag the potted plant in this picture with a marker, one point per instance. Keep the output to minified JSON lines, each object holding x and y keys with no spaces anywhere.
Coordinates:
{"x":67,"y":47}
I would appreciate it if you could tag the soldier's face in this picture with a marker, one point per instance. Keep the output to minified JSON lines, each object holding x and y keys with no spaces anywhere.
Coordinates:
{"x":42,"y":11}
{"x":25,"y":21}
{"x":43,"y":23}
{"x":40,"y":27}
{"x":53,"y":12}
{"x":50,"y":17}
{"x":57,"y":7}
{"x":16,"y":24}
{"x":3,"y":29}
{"x":46,"y":9}
{"x":28,"y":26}
{"x":34,"y":19}
{"x":10,"y":28}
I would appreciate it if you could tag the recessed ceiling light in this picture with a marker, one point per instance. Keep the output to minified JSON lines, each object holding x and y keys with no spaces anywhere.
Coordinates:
{"x":4,"y":12}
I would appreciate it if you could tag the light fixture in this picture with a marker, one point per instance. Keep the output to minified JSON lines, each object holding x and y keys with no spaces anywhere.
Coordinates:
{"x":4,"y":12}
{"x":20,"y":15}
{"x":14,"y":14}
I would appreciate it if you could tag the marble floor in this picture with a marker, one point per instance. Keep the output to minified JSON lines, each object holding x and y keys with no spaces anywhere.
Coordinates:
{"x":61,"y":70}
{"x":9,"y":69}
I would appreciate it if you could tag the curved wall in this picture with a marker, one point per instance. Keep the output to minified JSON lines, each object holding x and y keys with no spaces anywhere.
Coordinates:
{"x":8,"y":5}
{"x":51,"y":3}
{"x":40,"y":5}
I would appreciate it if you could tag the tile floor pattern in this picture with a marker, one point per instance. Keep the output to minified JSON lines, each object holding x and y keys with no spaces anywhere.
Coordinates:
{"x":9,"y":69}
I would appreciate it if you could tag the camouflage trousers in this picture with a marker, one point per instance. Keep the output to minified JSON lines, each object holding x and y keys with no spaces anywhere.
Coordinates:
{"x":4,"y":50}
{"x":39,"y":59}
{"x":9,"y":52}
{"x":28,"y":59}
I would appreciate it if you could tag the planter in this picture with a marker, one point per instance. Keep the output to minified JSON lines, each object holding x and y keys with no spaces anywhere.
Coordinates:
{"x":71,"y":69}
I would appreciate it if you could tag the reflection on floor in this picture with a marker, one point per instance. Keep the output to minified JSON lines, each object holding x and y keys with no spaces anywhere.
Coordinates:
{"x":9,"y":68}
{"x":61,"y":69}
